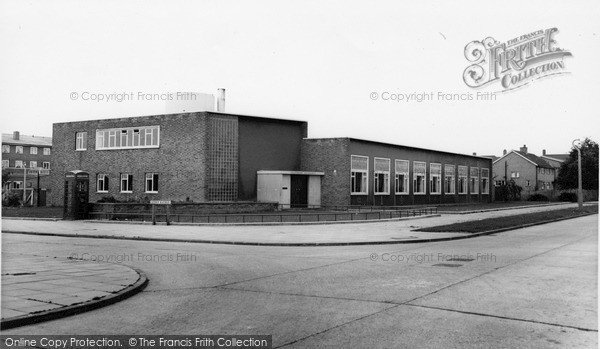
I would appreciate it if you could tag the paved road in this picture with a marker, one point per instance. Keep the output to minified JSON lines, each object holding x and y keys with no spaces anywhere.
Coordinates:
{"x":533,"y":287}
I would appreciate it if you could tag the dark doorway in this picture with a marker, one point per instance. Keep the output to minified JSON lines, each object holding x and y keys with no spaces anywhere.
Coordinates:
{"x":299,"y":195}
{"x":41,"y":197}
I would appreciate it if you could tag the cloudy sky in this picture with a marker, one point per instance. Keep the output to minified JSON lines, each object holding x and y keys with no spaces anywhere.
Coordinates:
{"x":328,"y":63}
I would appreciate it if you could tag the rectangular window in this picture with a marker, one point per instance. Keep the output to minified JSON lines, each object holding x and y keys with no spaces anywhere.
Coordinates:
{"x":359,"y":166}
{"x":462,"y":179}
{"x":151,"y":182}
{"x":128,"y":138}
{"x":126,"y":183}
{"x":136,"y":137}
{"x":33,"y":164}
{"x":435,"y":178}
{"x":449,"y":180}
{"x":124,"y":138}
{"x":112,"y":139}
{"x":474,"y":180}
{"x":33,"y":150}
{"x":81,"y":141}
{"x":19,"y":149}
{"x":5,"y":163}
{"x":401,"y":176}
{"x":46,"y":151}
{"x":485,"y":181}
{"x":514,"y":175}
{"x":19,"y":163}
{"x":17,"y":184}
{"x":419,"y":175}
{"x":382,"y":176}
{"x":102,"y":183}
{"x":46,"y":165}
{"x":499,"y":183}
{"x":5,"y":148}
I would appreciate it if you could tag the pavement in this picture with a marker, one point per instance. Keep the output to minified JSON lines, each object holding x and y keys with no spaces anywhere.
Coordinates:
{"x":367,"y":232}
{"x":44,"y":288}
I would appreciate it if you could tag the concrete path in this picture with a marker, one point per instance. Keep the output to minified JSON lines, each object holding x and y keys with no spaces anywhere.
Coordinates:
{"x":310,"y":234}
{"x":41,"y":288}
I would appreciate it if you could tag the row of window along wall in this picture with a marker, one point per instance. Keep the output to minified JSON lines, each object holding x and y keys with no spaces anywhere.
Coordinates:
{"x":467,"y":180}
{"x":125,"y":183}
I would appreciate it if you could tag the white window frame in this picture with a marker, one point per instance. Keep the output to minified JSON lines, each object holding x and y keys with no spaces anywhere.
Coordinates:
{"x":5,"y":148}
{"x":5,"y":163}
{"x":19,"y":163}
{"x":121,"y":138}
{"x":464,"y":180}
{"x":151,"y":179}
{"x":47,"y":151}
{"x":33,"y":150}
{"x":485,"y":181}
{"x":33,"y":164}
{"x":416,"y":177}
{"x":405,"y":179}
{"x":46,"y":165}
{"x":102,"y":183}
{"x":18,"y":149}
{"x":452,"y":175}
{"x":473,"y":180}
{"x":81,"y":141}
{"x":17,"y":184}
{"x":364,"y":178}
{"x":128,"y":179}
{"x":385,"y":176}
{"x":435,"y":178}
{"x":515,"y":174}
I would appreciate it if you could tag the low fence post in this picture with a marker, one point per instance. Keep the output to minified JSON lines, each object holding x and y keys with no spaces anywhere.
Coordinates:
{"x":168,"y":214}
{"x":153,"y":214}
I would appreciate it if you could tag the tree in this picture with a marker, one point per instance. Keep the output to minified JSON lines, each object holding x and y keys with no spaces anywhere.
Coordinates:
{"x":567,"y":174}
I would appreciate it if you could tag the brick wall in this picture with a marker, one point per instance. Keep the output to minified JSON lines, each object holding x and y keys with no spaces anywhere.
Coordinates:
{"x":330,"y":156}
{"x":181,"y":208}
{"x":180,"y":160}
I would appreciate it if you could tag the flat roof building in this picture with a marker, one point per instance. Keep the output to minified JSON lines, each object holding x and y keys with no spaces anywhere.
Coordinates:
{"x":213,"y":156}
{"x":198,"y":156}
{"x":32,"y":153}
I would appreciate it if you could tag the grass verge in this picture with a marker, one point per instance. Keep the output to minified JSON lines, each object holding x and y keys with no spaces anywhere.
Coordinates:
{"x":511,"y":221}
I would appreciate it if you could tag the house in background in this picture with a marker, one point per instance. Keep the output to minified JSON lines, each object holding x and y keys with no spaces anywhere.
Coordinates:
{"x":26,"y":153}
{"x":533,"y":173}
{"x":555,"y":160}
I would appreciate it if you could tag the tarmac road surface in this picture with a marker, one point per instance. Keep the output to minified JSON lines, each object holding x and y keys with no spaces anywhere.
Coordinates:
{"x":532,"y":287}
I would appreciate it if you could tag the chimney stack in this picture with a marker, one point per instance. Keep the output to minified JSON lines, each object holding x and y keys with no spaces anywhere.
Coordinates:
{"x":221,"y":100}
{"x":16,"y":135}
{"x":474,"y":154}
{"x":504,"y":152}
{"x":523,"y":149}
{"x":544,"y":152}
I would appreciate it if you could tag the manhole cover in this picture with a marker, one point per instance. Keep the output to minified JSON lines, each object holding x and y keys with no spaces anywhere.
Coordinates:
{"x":447,"y":265}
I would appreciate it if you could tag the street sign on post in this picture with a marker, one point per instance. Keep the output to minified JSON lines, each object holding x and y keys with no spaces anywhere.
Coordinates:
{"x":160,"y":202}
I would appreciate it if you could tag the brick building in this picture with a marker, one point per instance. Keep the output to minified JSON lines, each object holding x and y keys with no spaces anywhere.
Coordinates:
{"x":531,"y":172}
{"x":198,"y":156}
{"x":361,"y":172}
{"x":30,"y":153}
{"x":214,"y":156}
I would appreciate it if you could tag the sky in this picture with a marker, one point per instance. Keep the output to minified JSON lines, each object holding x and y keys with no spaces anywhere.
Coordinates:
{"x":334,"y":64}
